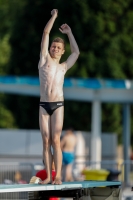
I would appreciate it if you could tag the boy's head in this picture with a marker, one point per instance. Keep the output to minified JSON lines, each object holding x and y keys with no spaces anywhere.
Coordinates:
{"x":59,"y":40}
{"x":57,"y":47}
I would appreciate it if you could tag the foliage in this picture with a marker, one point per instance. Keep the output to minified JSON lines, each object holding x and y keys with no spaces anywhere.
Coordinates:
{"x":6,"y":117}
{"x":8,"y":13}
{"x":4,"y":54}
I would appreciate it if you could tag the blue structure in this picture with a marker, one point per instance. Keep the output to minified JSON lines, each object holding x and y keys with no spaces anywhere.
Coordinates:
{"x":71,"y":82}
{"x":96,"y":91}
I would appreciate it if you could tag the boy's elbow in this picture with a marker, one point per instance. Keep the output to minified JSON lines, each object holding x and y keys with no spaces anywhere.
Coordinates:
{"x":77,"y":53}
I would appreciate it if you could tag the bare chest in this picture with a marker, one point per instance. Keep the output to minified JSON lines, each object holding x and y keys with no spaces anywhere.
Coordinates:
{"x":52,"y":72}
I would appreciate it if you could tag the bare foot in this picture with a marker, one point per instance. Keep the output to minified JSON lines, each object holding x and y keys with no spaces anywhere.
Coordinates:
{"x":46,"y":181}
{"x":57,"y":181}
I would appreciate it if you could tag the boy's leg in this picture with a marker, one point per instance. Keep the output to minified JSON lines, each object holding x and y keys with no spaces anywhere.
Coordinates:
{"x":69,"y":176}
{"x":56,"y":128}
{"x":44,"y":121}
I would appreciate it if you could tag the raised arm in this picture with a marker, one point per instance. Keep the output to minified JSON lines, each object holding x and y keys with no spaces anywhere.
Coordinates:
{"x":47,"y":29}
{"x":73,"y":45}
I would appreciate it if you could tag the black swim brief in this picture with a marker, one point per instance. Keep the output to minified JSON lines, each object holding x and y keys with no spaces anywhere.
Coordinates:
{"x":50,"y":107}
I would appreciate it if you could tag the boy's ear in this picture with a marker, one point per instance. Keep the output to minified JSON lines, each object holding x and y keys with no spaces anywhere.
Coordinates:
{"x":63,"y":51}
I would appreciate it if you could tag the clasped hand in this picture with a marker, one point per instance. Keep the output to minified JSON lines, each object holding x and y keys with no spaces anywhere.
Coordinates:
{"x":65,"y":29}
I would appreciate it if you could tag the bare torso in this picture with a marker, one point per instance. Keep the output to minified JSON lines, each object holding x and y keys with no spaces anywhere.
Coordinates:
{"x":51,"y":75}
{"x":69,"y":143}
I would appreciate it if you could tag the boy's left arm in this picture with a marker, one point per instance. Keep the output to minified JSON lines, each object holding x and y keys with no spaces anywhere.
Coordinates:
{"x":73,"y":45}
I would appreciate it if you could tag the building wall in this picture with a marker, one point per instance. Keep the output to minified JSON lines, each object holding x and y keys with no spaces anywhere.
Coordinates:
{"x":26,"y":145}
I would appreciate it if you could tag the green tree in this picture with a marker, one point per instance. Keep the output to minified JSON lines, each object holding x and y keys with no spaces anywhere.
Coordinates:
{"x":7,"y":119}
{"x":8,"y":14}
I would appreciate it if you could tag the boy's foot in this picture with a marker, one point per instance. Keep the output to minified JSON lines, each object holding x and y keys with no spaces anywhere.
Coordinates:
{"x":46,"y":181}
{"x":57,"y":181}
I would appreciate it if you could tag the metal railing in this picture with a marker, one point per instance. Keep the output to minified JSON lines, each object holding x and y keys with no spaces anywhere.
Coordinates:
{"x":15,"y":173}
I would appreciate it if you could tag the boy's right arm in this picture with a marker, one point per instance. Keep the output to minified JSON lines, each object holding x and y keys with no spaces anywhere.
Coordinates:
{"x":45,"y":37}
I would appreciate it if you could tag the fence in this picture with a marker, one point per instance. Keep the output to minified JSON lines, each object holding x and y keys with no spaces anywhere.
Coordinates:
{"x":15,"y":173}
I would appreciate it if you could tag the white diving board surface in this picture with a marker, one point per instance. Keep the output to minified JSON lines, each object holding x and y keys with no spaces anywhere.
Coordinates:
{"x":64,"y":185}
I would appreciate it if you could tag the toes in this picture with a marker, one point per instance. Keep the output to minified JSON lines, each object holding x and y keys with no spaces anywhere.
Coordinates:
{"x":57,"y":182}
{"x":46,"y":181}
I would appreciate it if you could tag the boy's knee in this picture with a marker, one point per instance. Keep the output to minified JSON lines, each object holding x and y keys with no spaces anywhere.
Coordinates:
{"x":56,"y":142}
{"x":46,"y":143}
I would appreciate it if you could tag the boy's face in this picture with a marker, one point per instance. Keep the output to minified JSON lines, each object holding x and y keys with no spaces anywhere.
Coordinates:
{"x":56,"y":49}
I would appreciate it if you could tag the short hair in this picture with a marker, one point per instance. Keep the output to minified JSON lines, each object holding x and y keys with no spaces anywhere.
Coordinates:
{"x":60,"y":40}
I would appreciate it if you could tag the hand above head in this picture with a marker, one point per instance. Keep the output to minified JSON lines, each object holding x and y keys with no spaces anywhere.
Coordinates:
{"x":65,"y":29}
{"x":54,"y":12}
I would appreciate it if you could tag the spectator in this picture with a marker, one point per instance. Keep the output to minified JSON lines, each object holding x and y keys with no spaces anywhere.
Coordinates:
{"x":18,"y":178}
{"x":68,"y":143}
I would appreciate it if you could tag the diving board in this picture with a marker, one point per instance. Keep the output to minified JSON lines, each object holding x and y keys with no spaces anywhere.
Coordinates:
{"x":76,"y":190}
{"x":64,"y":185}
